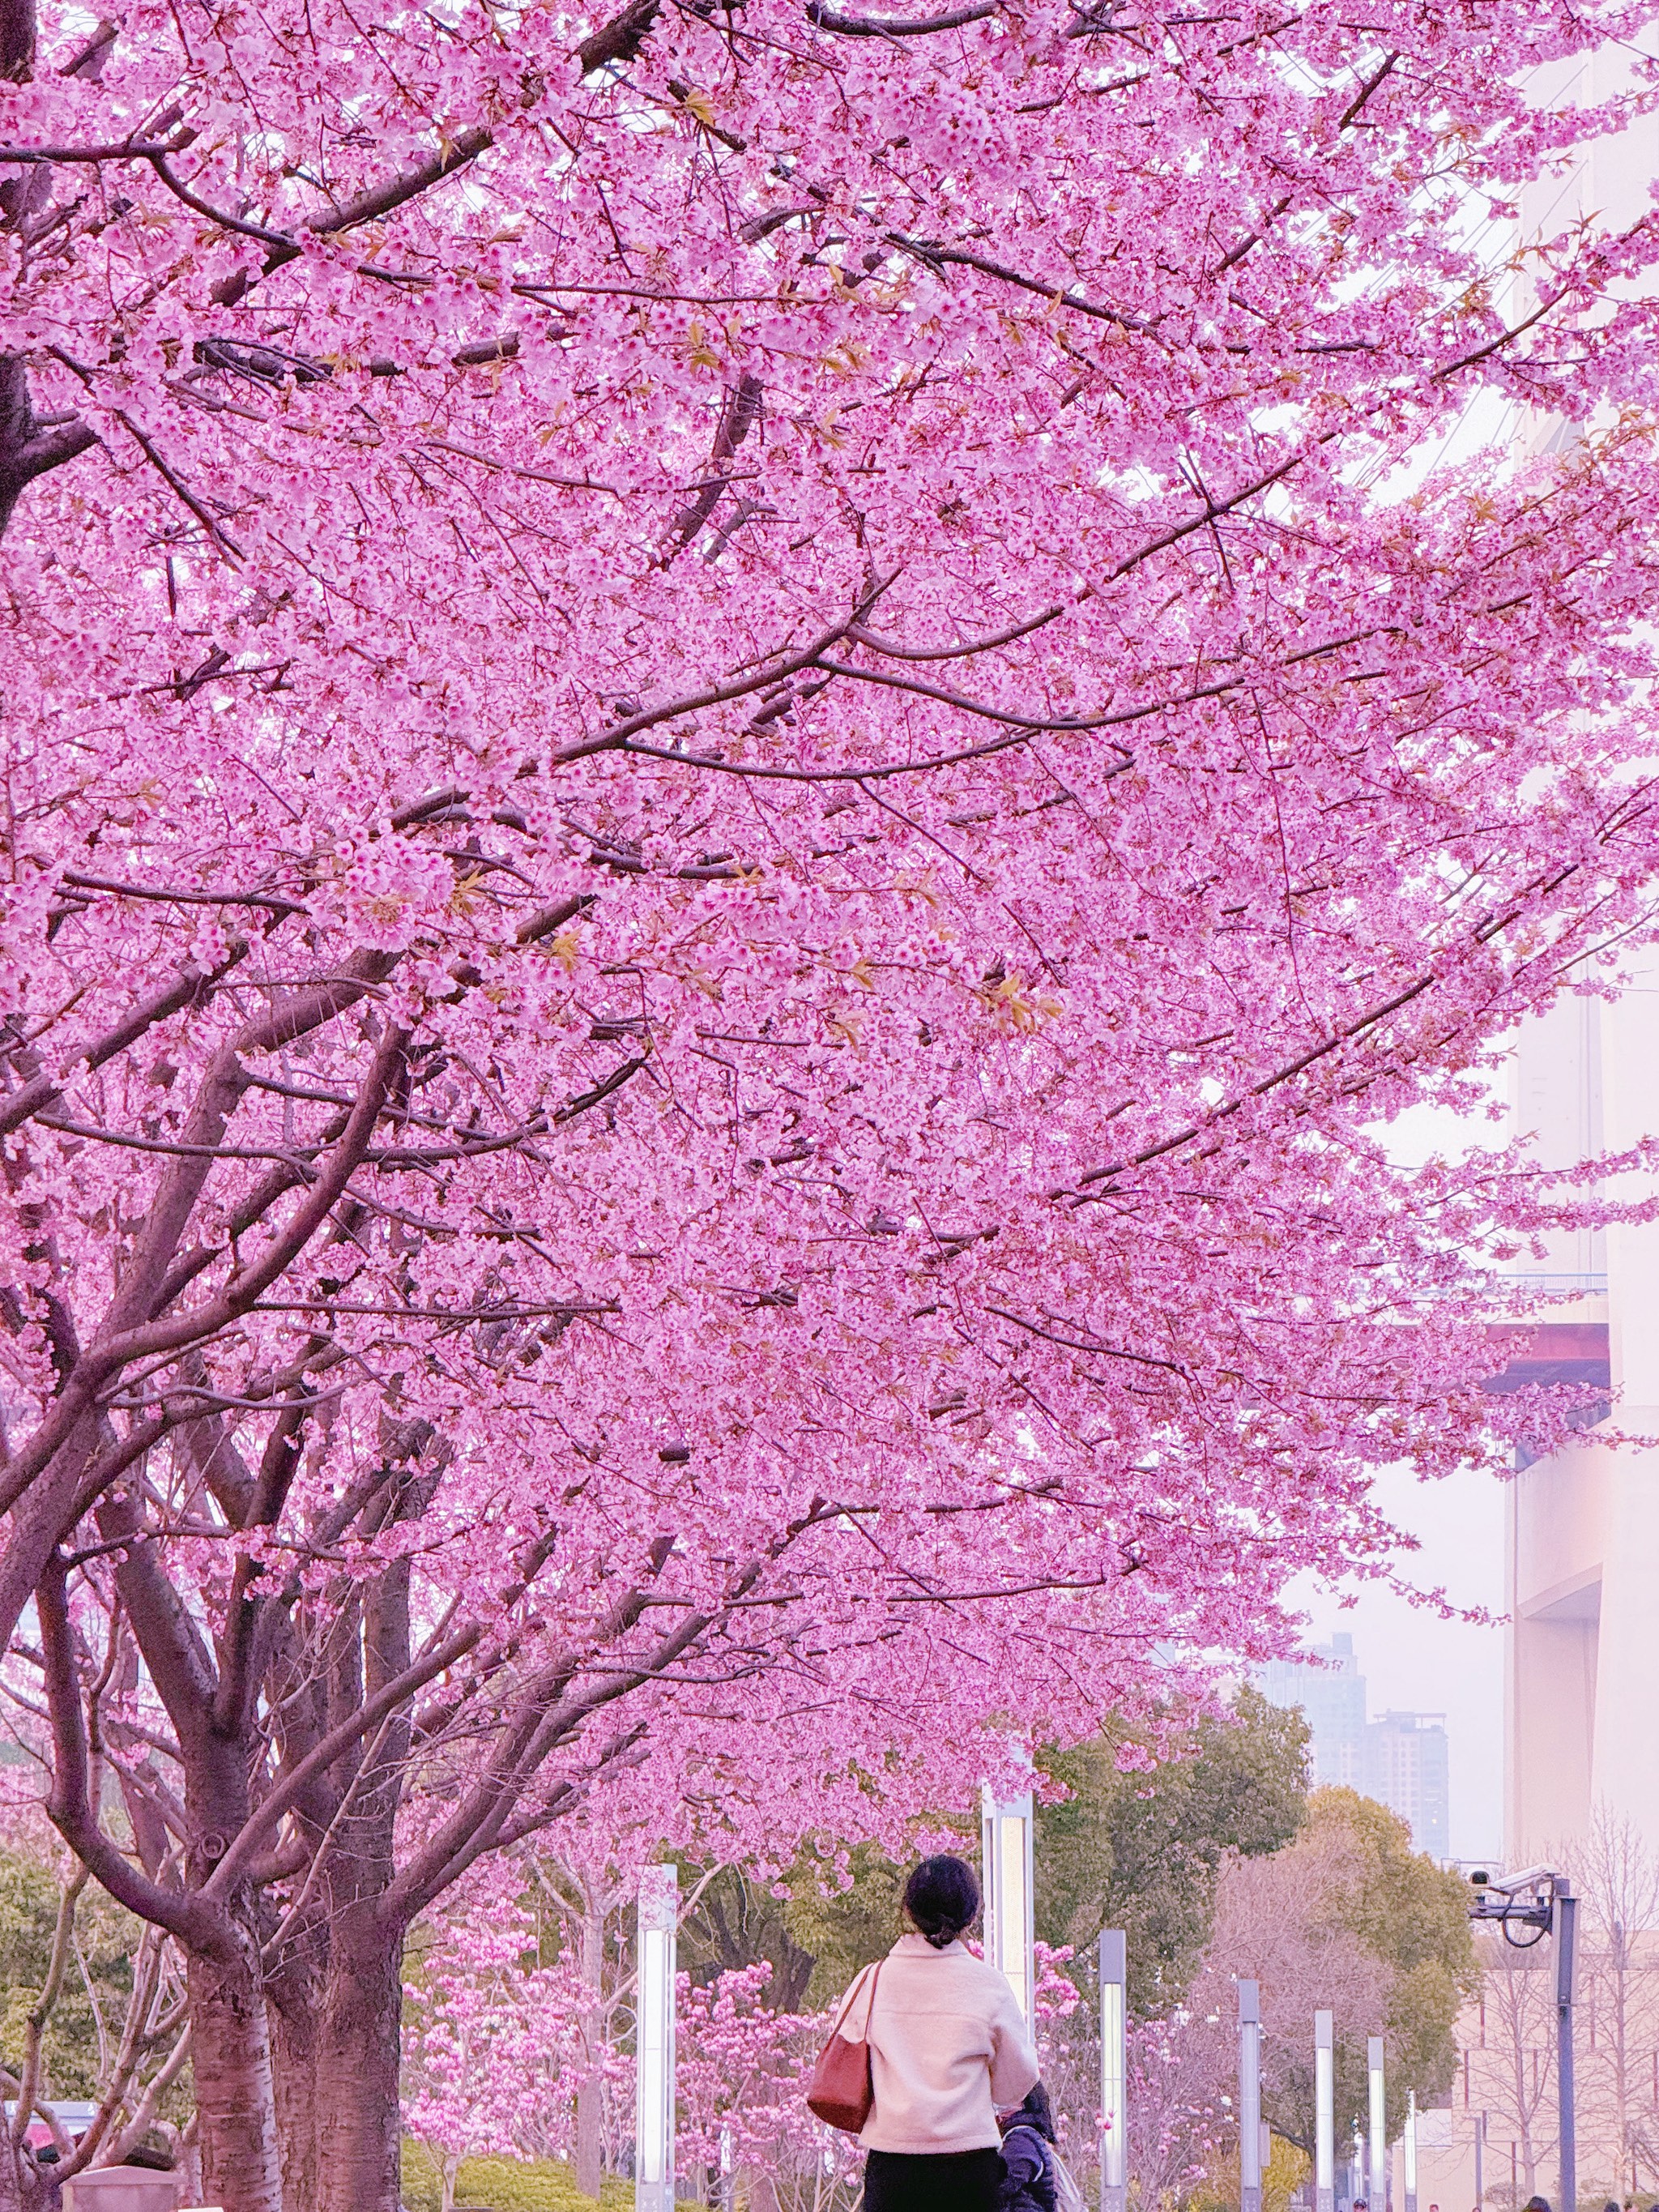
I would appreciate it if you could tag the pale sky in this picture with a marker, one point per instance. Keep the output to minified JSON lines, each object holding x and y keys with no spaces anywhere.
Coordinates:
{"x":1412,"y":1660}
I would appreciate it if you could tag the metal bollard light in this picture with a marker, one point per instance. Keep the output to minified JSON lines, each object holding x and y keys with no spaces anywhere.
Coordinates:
{"x":1324,"y":2112}
{"x":1249,"y":2097}
{"x":1377,"y":2179}
{"x":653,"y":2153}
{"x":1114,"y":2071}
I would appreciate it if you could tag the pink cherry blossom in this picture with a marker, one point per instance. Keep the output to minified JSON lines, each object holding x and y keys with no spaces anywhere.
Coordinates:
{"x":747,"y":748}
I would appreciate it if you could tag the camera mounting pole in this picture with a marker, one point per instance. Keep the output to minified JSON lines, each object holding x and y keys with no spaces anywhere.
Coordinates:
{"x":1543,"y":1900}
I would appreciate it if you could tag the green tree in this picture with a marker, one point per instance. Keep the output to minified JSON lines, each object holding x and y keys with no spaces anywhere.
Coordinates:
{"x":1140,"y":1849}
{"x":1136,"y":1849}
{"x":830,"y":1913}
{"x":91,"y":2006}
{"x":1414,"y":1915}
{"x":1348,"y":1918}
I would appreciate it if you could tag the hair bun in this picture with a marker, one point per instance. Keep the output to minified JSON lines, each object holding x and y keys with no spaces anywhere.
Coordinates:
{"x":942,"y":1897}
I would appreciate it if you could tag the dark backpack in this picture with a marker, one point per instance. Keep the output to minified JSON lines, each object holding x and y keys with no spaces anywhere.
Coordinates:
{"x":1029,"y":2186}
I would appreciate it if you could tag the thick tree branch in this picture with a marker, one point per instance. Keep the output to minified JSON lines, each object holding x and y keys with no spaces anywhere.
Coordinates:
{"x":185,"y":989}
{"x":621,"y":38}
{"x":339,"y":1740}
{"x":69,"y":1806}
{"x":29,"y":448}
{"x":17,"y":40}
{"x":891,"y":27}
{"x":368,"y":206}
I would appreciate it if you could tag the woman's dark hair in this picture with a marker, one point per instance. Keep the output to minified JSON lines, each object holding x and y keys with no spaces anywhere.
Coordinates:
{"x":942,"y":1897}
{"x":1036,"y":2113}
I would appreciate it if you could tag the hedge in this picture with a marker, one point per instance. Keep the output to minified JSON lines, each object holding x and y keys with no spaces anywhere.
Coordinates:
{"x":507,"y":2184}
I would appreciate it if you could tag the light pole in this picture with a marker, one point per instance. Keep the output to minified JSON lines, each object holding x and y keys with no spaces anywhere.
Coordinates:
{"x":1114,"y":2070}
{"x":1566,"y":1930}
{"x":1480,"y":2162}
{"x":654,"y":2077}
{"x":1378,"y":2181}
{"x":1006,"y":1857}
{"x":1249,"y":2097}
{"x":1324,"y":2114}
{"x":1543,"y":1900}
{"x":1408,"y":2156}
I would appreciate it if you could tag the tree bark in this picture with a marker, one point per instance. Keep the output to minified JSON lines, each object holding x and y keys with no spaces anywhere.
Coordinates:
{"x":235,"y":2101}
{"x":24,"y":2186}
{"x":359,"y":2046}
{"x":590,"y":2138}
{"x":17,"y":41}
{"x":28,"y":448}
{"x":590,"y":2097}
{"x":294,"y":2023}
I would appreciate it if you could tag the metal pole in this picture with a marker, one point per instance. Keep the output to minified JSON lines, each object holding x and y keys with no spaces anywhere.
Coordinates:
{"x":1480,"y":2162}
{"x":1249,"y":2097}
{"x":1114,"y":2071}
{"x":1566,"y":1920}
{"x":654,"y":2092}
{"x":1324,"y":2114}
{"x":1377,"y":2189}
{"x":1006,"y":1857}
{"x":1408,"y":2156}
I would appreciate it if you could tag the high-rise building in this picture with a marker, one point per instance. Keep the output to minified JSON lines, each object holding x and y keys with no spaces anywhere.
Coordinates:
{"x":1401,"y":1759}
{"x":1408,"y":1768}
{"x":1332,"y":1701}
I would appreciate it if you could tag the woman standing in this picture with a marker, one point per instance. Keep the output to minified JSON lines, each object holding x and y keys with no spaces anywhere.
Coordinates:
{"x":948,"y":2052}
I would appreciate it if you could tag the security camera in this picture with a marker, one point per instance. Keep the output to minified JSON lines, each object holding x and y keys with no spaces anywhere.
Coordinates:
{"x":1512,"y":1884}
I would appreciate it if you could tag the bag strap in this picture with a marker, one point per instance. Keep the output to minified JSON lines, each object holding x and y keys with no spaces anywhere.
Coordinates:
{"x":851,"y":1999}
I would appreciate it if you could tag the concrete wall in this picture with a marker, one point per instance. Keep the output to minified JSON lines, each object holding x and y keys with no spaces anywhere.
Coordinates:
{"x":1583,"y":1526}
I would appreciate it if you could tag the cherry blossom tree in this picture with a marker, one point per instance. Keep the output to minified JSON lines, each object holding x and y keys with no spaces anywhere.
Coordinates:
{"x":496,"y":2048}
{"x":745,"y":748}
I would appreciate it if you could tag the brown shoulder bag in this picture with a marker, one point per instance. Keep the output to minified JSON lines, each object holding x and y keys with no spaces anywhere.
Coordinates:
{"x":843,"y":2088}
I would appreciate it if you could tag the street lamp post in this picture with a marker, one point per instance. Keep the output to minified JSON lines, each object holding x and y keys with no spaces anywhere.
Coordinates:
{"x":1249,"y":2097}
{"x":1377,"y":2180}
{"x":653,"y":2090}
{"x":1408,"y":2156}
{"x":1006,"y":1857}
{"x":1480,"y":2162}
{"x":1114,"y":2071}
{"x":1324,"y":2114}
{"x":1566,"y":1929}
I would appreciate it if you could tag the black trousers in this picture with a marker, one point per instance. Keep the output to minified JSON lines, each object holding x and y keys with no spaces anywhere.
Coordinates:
{"x":960,"y":2181}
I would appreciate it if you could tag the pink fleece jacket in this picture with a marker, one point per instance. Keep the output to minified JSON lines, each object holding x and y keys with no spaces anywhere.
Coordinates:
{"x":949,"y":2050}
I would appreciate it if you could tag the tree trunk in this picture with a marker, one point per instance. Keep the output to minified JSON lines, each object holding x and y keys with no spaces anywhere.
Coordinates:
{"x":294,"y":2023}
{"x":590,"y":2137}
{"x":235,"y":2101}
{"x":189,"y":2170}
{"x":590,"y":2096}
{"x":24,"y":2186}
{"x":359,"y":2043}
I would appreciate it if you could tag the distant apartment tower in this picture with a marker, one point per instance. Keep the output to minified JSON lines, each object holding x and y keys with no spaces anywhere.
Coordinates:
{"x":1406,"y":1767}
{"x":1401,"y":1760}
{"x":1332,"y":1702}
